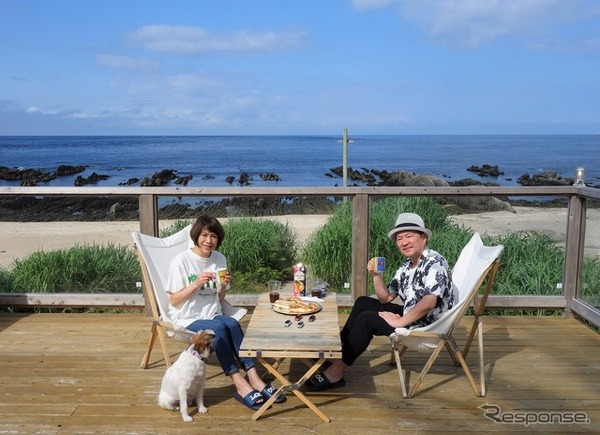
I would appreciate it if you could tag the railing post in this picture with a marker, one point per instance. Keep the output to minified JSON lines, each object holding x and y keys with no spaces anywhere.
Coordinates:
{"x":360,"y":244}
{"x":149,"y":215}
{"x":574,"y":250}
{"x":148,"y":225}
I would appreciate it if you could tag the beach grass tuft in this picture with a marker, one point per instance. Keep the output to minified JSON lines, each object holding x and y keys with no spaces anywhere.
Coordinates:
{"x":80,"y":269}
{"x":258,"y":250}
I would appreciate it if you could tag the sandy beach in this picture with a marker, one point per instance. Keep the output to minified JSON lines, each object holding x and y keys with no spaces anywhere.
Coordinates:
{"x":20,"y":239}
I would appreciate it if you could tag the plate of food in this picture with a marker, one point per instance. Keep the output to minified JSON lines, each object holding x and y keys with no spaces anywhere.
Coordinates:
{"x":294,"y":306}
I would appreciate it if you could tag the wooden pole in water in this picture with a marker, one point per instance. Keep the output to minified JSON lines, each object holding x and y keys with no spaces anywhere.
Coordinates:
{"x":345,"y":141}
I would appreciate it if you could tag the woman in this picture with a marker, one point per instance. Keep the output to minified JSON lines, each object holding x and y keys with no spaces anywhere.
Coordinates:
{"x":195,"y":296}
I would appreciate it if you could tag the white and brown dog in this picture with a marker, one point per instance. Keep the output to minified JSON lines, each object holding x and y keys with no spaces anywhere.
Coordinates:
{"x":183,"y":382}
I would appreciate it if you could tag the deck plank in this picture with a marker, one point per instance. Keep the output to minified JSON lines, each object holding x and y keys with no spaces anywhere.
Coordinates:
{"x":79,"y":373}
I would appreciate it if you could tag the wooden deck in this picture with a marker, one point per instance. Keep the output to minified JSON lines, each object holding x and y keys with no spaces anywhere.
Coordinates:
{"x":79,"y":373}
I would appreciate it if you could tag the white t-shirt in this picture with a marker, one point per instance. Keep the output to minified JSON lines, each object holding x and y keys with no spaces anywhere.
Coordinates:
{"x":205,"y":303}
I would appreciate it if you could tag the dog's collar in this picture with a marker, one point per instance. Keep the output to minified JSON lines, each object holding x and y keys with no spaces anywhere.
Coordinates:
{"x":196,"y":354}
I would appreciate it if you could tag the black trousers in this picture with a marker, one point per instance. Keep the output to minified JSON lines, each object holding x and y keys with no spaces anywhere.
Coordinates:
{"x":363,"y":323}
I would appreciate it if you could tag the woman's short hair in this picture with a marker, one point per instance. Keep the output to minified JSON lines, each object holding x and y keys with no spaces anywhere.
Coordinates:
{"x":211,"y":224}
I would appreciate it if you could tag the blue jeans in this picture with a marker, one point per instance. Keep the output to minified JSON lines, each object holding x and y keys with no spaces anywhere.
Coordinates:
{"x":228,"y":338}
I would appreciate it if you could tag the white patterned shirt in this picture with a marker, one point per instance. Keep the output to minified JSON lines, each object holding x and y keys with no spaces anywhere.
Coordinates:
{"x":432,"y":276}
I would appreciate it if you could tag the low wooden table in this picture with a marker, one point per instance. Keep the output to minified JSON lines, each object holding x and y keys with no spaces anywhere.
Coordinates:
{"x":268,"y":337}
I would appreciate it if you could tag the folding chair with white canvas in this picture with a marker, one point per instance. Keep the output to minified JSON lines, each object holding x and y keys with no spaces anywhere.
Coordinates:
{"x":155,"y":255}
{"x":475,"y":263}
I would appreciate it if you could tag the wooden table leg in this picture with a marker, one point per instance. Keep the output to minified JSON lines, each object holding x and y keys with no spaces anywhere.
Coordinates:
{"x":291,"y":386}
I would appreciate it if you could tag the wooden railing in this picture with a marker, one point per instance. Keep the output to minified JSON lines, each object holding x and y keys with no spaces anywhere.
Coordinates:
{"x":569,"y":301}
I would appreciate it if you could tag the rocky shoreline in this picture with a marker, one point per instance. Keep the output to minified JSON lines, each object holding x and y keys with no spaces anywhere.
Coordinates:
{"x":35,"y":209}
{"x":371,"y":177}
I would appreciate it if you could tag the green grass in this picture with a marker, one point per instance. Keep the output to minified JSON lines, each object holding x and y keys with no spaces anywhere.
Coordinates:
{"x":81,"y":269}
{"x":259,"y":250}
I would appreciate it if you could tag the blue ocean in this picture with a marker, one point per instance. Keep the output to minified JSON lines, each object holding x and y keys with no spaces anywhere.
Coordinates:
{"x":301,"y":160}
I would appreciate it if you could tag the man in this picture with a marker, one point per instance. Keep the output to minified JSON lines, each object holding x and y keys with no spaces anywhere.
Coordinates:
{"x":423,"y":282}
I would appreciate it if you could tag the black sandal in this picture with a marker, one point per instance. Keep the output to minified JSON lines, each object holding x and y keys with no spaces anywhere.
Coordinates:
{"x":253,"y":400}
{"x":268,"y":392}
{"x":320,"y":382}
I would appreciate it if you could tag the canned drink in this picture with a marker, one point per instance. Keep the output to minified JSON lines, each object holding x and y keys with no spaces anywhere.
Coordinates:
{"x":299,"y":280}
{"x":378,"y":264}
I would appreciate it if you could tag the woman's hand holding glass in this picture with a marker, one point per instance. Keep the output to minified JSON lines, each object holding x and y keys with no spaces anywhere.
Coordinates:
{"x":203,"y":278}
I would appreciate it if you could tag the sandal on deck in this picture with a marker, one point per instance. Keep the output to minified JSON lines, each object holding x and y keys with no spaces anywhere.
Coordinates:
{"x":320,"y":382}
{"x":253,"y":400}
{"x":268,"y":392}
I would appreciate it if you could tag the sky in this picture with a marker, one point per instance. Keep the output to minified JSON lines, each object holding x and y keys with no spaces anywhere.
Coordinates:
{"x":299,"y":67}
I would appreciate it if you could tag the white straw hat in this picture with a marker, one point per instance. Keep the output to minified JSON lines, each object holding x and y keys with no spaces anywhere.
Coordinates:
{"x":408,"y":222}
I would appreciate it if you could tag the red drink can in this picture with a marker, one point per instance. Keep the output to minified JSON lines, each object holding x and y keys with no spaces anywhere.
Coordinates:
{"x":299,"y":279}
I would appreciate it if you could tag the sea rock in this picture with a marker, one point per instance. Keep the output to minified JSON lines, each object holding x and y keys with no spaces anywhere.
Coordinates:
{"x":92,"y":179}
{"x":466,"y":182}
{"x":183,"y":181}
{"x":31,"y":177}
{"x":49,"y":209}
{"x":129,"y":182}
{"x":245,"y":179}
{"x":67,"y":170}
{"x":459,"y":204}
{"x":160,"y":178}
{"x":545,"y":178}
{"x":270,"y":206}
{"x":486,"y":170}
{"x":475,"y":204}
{"x":27,"y":176}
{"x":399,"y":178}
{"x":269,"y":176}
{"x":425,"y":180}
{"x":364,"y":175}
{"x":177,"y":211}
{"x":10,"y":174}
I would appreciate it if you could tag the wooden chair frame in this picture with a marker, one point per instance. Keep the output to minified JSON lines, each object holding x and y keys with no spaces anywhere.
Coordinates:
{"x":159,"y":327}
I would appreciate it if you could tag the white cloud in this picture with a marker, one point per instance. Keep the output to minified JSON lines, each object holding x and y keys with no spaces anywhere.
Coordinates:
{"x":37,"y":110}
{"x":83,"y":115}
{"x":187,"y":40}
{"x":472,"y":23}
